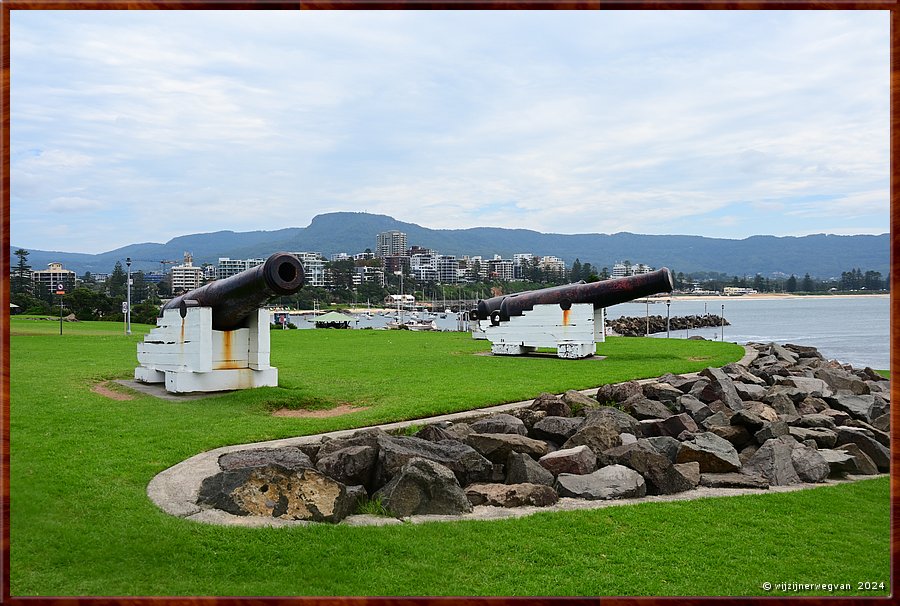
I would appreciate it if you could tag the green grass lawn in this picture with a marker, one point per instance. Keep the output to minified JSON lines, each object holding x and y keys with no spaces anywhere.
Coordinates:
{"x":81,"y":523}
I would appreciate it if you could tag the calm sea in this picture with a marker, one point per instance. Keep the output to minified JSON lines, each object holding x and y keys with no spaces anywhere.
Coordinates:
{"x":853,"y":330}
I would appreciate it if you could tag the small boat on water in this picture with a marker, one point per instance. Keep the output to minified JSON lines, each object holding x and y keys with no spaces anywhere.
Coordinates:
{"x":417,"y":325}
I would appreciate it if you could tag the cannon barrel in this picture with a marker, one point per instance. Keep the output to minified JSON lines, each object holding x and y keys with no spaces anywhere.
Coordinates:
{"x":602,"y":294}
{"x":232,"y":299}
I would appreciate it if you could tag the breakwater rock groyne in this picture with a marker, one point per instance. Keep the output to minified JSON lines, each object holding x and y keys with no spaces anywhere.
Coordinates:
{"x":636,"y":326}
{"x":783,"y":417}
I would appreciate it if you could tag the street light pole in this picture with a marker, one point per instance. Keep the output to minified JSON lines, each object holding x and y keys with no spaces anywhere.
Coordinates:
{"x":723,"y":322}
{"x":648,"y":318}
{"x":128,"y":298}
{"x":668,"y":316}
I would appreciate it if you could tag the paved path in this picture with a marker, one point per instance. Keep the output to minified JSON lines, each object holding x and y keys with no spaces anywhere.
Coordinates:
{"x":176,"y":489}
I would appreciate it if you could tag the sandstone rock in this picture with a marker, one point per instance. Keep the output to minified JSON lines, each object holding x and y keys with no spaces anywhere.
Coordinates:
{"x":880,"y":455}
{"x":810,"y":405}
{"x":784,"y":406}
{"x":719,"y":419}
{"x":783,"y":354}
{"x":721,"y":388}
{"x":578,"y":402}
{"x":740,"y":375}
{"x":858,"y":407}
{"x":771,"y":430}
{"x":773,"y":461}
{"x":714,"y":454}
{"x":883,"y":422}
{"x":689,"y":471}
{"x":676,"y":424}
{"x":824,"y":438}
{"x":762,"y":410}
{"x":556,"y":429}
{"x":529,"y":417}
{"x":461,"y":459}
{"x":601,"y":434}
{"x":458,"y":431}
{"x":628,"y":438}
{"x":522,"y":469}
{"x":552,"y":405}
{"x":642,"y":408}
{"x":699,"y":388}
{"x":288,"y":457}
{"x":679,"y":382}
{"x":423,"y":487}
{"x":809,"y":464}
{"x":497,"y":446}
{"x":511,"y":495}
{"x":499,"y":423}
{"x":792,"y":393}
{"x":748,"y":451}
{"x":618,"y":392}
{"x":578,"y":460}
{"x":354,"y":465}
{"x":662,"y":392}
{"x":611,"y":482}
{"x":278,"y":492}
{"x":862,"y":462}
{"x":658,"y":472}
{"x":733,"y":480}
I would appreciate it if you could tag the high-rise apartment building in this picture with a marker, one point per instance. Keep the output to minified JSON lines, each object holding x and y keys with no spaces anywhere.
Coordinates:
{"x":390,"y":244}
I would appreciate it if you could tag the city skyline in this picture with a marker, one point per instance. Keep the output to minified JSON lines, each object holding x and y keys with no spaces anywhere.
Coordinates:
{"x":138,"y":127}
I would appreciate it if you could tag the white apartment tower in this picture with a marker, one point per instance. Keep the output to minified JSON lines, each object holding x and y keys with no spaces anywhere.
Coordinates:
{"x":390,"y":244}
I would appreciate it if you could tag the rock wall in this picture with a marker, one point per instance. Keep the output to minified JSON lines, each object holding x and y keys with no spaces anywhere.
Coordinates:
{"x":790,"y":416}
{"x":636,"y":326}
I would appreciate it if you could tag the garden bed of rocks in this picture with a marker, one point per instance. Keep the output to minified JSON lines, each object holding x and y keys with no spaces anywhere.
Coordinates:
{"x":788,"y":417}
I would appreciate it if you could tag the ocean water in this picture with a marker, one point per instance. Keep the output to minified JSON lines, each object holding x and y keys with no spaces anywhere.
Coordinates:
{"x":852,"y":330}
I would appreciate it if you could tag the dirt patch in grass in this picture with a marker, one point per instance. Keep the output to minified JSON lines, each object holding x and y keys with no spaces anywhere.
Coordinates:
{"x":104,"y":390}
{"x":318,"y":414}
{"x":699,"y":358}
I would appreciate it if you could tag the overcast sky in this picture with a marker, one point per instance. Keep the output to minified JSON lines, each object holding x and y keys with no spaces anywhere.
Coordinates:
{"x":142,"y":126}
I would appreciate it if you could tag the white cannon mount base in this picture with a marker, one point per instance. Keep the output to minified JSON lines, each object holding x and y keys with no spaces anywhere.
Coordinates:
{"x":188,"y":355}
{"x":574,"y":332}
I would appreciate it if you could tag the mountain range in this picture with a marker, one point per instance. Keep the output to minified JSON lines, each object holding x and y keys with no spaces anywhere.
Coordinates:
{"x":820,"y":255}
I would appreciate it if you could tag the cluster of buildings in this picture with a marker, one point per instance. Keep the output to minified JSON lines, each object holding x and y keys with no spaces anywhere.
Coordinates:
{"x":392,"y":255}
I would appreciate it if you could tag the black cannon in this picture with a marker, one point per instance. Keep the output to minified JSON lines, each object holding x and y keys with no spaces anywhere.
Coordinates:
{"x":232,"y":299}
{"x":602,"y":294}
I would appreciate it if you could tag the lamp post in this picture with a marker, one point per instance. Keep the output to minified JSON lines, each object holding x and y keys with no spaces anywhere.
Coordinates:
{"x":668,"y":316}
{"x":648,"y":318}
{"x":723,"y":322}
{"x":128,"y":298}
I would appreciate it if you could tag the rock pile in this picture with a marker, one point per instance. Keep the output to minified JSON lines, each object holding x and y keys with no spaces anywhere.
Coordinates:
{"x":632,"y":326}
{"x":788,"y":417}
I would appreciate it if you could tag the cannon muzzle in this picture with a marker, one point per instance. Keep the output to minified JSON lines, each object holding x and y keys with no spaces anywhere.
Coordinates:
{"x":601,"y":294}
{"x":232,"y":299}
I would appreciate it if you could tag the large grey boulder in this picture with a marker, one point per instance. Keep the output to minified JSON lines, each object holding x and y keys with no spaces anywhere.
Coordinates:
{"x":434,"y":433}
{"x":883,"y":422}
{"x":642,"y":408}
{"x":714,"y":454}
{"x":733,"y":480}
{"x":862,"y":463}
{"x":354,"y":465}
{"x":721,"y":387}
{"x":423,"y":487}
{"x":735,"y":434}
{"x":841,"y":380}
{"x":497,"y":446}
{"x":809,"y":464}
{"x":600,"y":434}
{"x":694,"y":407}
{"x":664,"y":445}
{"x":773,"y":461}
{"x":395,"y":451}
{"x":522,"y":469}
{"x":840,"y":461}
{"x":658,"y":472}
{"x":880,"y":455}
{"x":279,"y":492}
{"x":750,"y":391}
{"x":529,"y":417}
{"x":824,"y":438}
{"x":611,"y":482}
{"x":499,"y":423}
{"x":364,"y":437}
{"x":750,"y":420}
{"x":511,"y":495}
{"x":816,"y":420}
{"x":761,"y":409}
{"x":556,"y":429}
{"x":771,"y":430}
{"x":811,"y":386}
{"x":578,"y":460}
{"x":680,"y":382}
{"x":857,"y":406}
{"x":288,"y":457}
{"x":675,"y":425}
